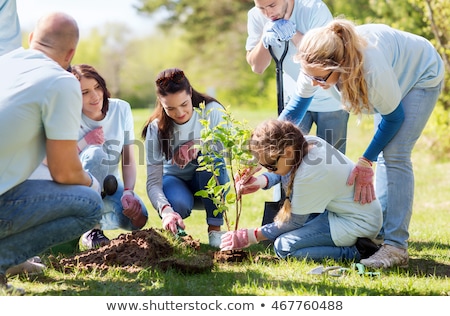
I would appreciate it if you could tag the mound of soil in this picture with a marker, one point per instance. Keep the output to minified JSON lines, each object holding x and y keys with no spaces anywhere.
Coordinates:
{"x":149,"y":248}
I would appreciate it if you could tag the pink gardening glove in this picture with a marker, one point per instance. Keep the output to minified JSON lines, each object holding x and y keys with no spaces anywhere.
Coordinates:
{"x":171,"y":220}
{"x":362,"y":177}
{"x":95,"y":137}
{"x":131,"y":206}
{"x":246,"y":183}
{"x":238,"y":239}
{"x":185,"y":154}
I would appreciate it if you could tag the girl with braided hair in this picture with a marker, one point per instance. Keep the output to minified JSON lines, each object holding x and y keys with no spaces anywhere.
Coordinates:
{"x":319,"y":218}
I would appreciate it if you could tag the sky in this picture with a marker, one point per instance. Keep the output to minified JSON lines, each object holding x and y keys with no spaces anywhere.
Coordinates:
{"x":88,"y":14}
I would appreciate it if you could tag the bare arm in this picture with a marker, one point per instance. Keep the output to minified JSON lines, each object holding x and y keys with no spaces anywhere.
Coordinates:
{"x":64,"y":163}
{"x":128,"y":167}
{"x":259,"y":58}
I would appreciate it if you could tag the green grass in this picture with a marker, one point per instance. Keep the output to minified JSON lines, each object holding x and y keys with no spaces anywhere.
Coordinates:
{"x":428,"y":274}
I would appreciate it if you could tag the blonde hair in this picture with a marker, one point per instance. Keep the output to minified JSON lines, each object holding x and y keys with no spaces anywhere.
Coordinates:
{"x":337,"y":47}
{"x":270,"y":139}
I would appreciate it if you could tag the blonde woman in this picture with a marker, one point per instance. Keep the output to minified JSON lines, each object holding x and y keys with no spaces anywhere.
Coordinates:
{"x":395,"y":75}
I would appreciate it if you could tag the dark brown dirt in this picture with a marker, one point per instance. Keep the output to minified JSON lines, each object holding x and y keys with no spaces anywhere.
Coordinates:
{"x":149,"y":248}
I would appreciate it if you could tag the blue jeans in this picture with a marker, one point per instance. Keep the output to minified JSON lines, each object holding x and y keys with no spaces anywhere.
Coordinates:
{"x":39,"y":214}
{"x":95,"y":160}
{"x":311,"y":240}
{"x":180,"y":194}
{"x":394,"y":173}
{"x":331,"y":126}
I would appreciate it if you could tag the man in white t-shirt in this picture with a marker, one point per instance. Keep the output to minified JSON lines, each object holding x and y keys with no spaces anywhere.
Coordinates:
{"x":269,"y":23}
{"x":40,"y":113}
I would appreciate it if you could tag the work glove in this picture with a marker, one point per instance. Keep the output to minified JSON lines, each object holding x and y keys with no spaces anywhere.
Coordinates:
{"x":285,"y":29}
{"x":362,"y":177}
{"x":238,"y":239}
{"x":94,"y":137}
{"x":171,"y":220}
{"x":131,"y":206}
{"x":248,"y":184}
{"x":185,"y":154}
{"x":270,"y":38}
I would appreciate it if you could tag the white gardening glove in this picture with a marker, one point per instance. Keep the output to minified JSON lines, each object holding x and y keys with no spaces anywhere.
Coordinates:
{"x":285,"y":29}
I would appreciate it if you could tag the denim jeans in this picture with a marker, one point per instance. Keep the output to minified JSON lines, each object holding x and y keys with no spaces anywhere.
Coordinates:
{"x":311,"y":240}
{"x":95,"y":160}
{"x":180,"y":194}
{"x":394,"y":172}
{"x":39,"y":214}
{"x":331,"y":126}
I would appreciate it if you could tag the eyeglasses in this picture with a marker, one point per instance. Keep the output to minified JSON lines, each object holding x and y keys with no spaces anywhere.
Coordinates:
{"x":271,"y":167}
{"x":321,"y":80}
{"x":175,"y":77}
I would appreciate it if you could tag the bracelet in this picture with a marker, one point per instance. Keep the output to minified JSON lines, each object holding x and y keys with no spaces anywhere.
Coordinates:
{"x":256,"y":233}
{"x":92,"y":179}
{"x":128,"y":189}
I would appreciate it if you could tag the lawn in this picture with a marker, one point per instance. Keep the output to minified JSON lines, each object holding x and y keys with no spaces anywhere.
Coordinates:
{"x":428,"y":274}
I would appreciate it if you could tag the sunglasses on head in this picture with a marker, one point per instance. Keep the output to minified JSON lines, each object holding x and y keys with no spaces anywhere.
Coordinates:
{"x":321,"y":80}
{"x":175,"y":77}
{"x":271,"y":167}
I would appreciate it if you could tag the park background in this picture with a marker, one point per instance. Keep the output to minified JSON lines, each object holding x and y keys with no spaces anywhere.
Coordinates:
{"x":207,"y":40}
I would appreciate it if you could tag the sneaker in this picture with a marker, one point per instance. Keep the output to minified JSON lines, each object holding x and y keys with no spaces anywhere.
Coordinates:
{"x":215,"y":238}
{"x":32,"y":266}
{"x":94,"y":239}
{"x":366,"y":247}
{"x":387,"y":257}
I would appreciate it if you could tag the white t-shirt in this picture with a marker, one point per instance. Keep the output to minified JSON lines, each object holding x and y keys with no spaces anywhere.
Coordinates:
{"x":320,"y":183}
{"x":38,"y":100}
{"x":118,"y":128}
{"x":157,"y":165}
{"x":306,"y":14}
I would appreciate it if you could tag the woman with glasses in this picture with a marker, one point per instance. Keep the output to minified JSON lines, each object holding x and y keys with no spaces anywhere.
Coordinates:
{"x":170,"y":135}
{"x":319,"y":218}
{"x":394,"y":74}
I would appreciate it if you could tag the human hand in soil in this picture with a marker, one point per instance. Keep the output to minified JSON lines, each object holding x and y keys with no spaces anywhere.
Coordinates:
{"x":362,"y":177}
{"x":171,"y":220}
{"x":185,"y":154}
{"x":238,"y":239}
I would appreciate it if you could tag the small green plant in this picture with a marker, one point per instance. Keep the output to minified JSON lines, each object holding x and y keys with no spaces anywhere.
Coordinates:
{"x":227,"y":142}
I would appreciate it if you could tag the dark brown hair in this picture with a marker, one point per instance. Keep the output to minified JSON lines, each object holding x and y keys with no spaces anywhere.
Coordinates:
{"x":88,"y":71}
{"x":171,"y":81}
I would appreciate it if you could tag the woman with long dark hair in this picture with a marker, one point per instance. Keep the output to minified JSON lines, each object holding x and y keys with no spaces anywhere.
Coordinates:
{"x":170,"y":135}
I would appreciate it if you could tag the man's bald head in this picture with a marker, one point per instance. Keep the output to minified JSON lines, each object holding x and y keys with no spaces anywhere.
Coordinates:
{"x":56,"y":35}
